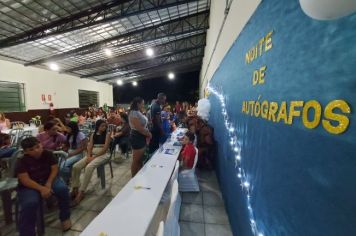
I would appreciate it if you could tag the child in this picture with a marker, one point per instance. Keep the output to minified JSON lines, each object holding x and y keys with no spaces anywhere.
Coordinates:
{"x":187,"y":155}
{"x":37,"y":175}
{"x":5,"y":146}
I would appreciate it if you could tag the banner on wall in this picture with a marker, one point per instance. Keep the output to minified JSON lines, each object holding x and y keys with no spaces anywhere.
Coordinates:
{"x":285,"y":123}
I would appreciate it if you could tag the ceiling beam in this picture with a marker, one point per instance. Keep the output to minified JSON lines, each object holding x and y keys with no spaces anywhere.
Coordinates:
{"x":164,"y":56}
{"x":195,"y":22}
{"x":139,"y":53}
{"x":193,"y":59}
{"x":103,"y":13}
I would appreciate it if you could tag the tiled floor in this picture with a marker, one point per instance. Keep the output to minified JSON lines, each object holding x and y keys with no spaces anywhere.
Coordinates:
{"x":201,"y":213}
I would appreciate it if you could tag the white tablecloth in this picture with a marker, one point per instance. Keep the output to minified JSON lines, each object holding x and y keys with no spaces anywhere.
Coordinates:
{"x":132,"y":210}
{"x":33,"y":129}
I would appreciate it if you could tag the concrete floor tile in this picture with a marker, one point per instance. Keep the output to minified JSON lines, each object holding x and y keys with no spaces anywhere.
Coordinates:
{"x":84,"y":221}
{"x":215,"y":215}
{"x":212,"y":199}
{"x":191,"y":229}
{"x":215,"y":229}
{"x":192,"y":213}
{"x":192,"y":198}
{"x":72,"y":233}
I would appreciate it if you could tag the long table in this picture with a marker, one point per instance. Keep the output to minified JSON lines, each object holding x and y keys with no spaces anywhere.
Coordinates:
{"x":132,"y":209}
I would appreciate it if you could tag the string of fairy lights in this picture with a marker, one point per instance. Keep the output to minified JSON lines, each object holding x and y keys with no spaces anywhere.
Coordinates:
{"x":236,"y":149}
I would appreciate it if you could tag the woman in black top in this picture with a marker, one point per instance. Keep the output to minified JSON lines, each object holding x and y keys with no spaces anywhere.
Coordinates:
{"x":96,"y":156}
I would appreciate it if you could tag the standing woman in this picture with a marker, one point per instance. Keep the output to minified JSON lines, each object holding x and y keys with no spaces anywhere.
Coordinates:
{"x":4,"y":123}
{"x":139,"y":136}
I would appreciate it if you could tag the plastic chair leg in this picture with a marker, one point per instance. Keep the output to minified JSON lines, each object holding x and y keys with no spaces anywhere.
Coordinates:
{"x":17,"y":213}
{"x":101,"y":175}
{"x":112,"y":174}
{"x":40,"y":220}
{"x":40,"y":226}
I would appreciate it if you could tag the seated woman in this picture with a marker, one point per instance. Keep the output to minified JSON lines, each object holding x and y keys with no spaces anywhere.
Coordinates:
{"x":114,"y":119}
{"x":91,"y":117}
{"x":181,"y":120}
{"x":61,"y":127}
{"x":188,"y":152}
{"x":73,"y":116}
{"x":51,"y":139}
{"x":82,"y":119}
{"x":77,"y":143}
{"x":206,"y":144}
{"x":122,"y":136}
{"x":5,"y":146}
{"x":4,"y":123}
{"x":96,"y":155}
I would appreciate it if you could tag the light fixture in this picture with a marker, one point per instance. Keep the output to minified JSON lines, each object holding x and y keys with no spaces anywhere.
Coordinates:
{"x":134,"y":83}
{"x":149,"y":52}
{"x":54,"y":66}
{"x":171,"y":75}
{"x":108,"y":52}
{"x":236,"y":148}
{"x":119,"y":82}
{"x":246,"y":184}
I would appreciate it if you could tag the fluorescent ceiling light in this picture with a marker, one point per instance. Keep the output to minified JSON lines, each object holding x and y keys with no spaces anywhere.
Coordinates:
{"x":149,"y":52}
{"x":108,"y":52}
{"x":171,"y":75}
{"x":54,"y":66}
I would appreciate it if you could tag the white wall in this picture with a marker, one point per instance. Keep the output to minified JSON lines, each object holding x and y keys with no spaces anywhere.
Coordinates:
{"x":240,"y":12}
{"x":63,"y":88}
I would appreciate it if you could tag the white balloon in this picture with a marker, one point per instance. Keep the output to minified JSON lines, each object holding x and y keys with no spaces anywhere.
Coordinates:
{"x":328,"y":9}
{"x":203,"y":108}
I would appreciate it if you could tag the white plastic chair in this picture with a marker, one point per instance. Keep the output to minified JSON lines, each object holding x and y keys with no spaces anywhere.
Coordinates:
{"x":171,"y":227}
{"x":164,"y":205}
{"x":16,"y":135}
{"x":160,"y":231}
{"x":111,"y":128}
{"x":188,"y":181}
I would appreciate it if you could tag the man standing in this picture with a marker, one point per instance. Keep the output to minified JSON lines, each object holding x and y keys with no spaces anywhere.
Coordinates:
{"x":157,"y":129}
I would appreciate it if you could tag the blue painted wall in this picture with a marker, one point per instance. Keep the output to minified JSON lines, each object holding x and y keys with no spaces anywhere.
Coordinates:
{"x":303,"y":180}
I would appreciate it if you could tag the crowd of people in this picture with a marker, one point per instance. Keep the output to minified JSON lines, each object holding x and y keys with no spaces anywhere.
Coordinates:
{"x":141,"y":129}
